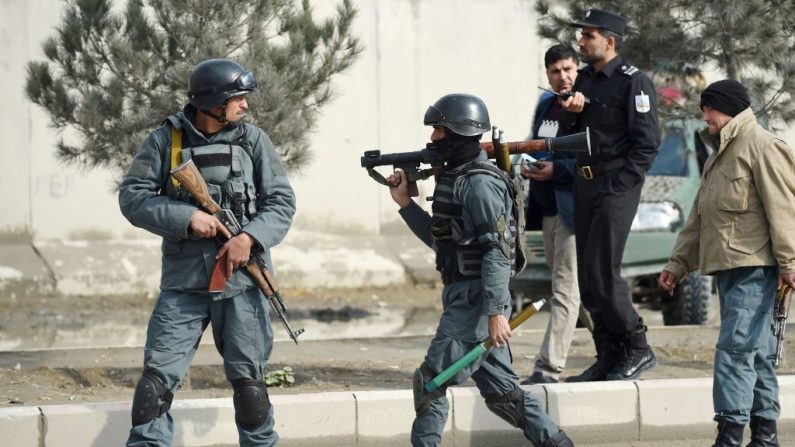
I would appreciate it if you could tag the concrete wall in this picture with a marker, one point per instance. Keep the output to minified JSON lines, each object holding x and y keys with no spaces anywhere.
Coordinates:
{"x":415,"y":51}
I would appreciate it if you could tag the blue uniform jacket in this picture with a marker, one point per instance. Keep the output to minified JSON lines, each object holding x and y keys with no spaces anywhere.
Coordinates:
{"x":563,"y":163}
{"x":188,"y":260}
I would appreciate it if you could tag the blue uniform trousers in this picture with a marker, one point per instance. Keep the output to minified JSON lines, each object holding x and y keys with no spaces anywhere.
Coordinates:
{"x":243,"y":337}
{"x":492,"y":373}
{"x":745,"y":383}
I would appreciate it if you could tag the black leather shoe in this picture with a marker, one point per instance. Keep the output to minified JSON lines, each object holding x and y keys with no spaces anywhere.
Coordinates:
{"x":763,"y":433}
{"x":538,"y":378}
{"x":559,"y":439}
{"x":729,"y":434}
{"x":636,"y":361}
{"x":596,"y":372}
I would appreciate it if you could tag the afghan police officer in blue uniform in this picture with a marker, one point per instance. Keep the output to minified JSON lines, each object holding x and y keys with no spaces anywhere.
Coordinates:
{"x":472,"y":230}
{"x":244,"y":174}
{"x":625,"y":135}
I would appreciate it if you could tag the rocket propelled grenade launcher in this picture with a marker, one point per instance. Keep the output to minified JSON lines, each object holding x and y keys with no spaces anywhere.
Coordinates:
{"x":478,"y":350}
{"x":410,"y":162}
{"x":578,"y":142}
{"x":193,"y":182}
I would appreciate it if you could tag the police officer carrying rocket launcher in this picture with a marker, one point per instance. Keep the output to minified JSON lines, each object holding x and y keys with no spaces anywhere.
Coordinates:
{"x":472,"y":230}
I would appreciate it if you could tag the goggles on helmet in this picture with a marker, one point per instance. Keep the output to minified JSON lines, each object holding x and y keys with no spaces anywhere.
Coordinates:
{"x":244,"y":83}
{"x":433,"y":116}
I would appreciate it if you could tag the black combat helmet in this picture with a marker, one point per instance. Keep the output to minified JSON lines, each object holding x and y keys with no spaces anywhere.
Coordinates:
{"x":214,"y":81}
{"x":463,"y":114}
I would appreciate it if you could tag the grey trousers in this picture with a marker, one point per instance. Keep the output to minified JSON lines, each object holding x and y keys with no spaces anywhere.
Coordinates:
{"x":745,"y":383}
{"x":560,"y":252}
{"x":243,"y":337}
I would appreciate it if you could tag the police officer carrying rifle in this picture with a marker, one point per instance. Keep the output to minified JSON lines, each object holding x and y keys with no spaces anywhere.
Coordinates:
{"x":625,"y":134}
{"x":472,"y":230}
{"x":245,"y":175}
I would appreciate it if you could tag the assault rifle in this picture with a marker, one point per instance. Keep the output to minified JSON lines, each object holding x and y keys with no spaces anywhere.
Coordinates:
{"x":190,"y":179}
{"x":780,"y":314}
{"x":410,"y":162}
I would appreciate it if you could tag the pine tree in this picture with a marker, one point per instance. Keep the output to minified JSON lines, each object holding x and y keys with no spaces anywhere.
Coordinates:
{"x":114,"y":77}
{"x":752,"y":41}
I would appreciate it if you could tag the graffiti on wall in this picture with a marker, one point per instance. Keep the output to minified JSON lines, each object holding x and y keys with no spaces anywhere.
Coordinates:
{"x":55,"y":185}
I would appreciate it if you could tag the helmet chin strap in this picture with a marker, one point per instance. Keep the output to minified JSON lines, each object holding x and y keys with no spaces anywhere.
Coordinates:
{"x":220,"y":118}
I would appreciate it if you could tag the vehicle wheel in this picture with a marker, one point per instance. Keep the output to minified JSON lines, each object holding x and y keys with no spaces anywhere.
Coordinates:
{"x":695,"y":291}
{"x":690,"y":303}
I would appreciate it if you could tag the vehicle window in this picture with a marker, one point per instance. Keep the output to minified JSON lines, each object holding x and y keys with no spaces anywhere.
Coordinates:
{"x":672,"y":156}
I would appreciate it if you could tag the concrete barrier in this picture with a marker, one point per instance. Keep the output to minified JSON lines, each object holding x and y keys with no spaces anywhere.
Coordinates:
{"x":618,"y":413}
{"x":20,"y":426}
{"x":676,"y":409}
{"x":596,"y":411}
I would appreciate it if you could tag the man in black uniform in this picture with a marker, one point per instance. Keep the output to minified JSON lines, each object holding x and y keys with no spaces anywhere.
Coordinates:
{"x":625,"y":135}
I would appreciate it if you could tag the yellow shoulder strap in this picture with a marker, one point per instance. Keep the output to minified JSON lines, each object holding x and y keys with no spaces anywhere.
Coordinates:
{"x":176,"y":150}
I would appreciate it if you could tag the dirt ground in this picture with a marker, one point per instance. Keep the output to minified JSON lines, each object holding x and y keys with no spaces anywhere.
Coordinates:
{"x":343,"y":358}
{"x":92,"y":373}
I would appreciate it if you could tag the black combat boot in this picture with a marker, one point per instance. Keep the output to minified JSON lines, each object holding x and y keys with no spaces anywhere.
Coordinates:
{"x":763,"y":433}
{"x":559,"y":439}
{"x":639,"y":356}
{"x":729,"y":434}
{"x":608,"y":355}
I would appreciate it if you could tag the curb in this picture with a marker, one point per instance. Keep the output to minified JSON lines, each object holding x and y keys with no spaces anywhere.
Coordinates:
{"x":616,"y":412}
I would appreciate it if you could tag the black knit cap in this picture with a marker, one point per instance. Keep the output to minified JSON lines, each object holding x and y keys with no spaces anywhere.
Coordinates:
{"x":727,"y":96}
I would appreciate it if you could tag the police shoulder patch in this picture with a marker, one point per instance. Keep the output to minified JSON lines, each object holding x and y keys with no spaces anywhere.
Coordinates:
{"x":629,"y":70}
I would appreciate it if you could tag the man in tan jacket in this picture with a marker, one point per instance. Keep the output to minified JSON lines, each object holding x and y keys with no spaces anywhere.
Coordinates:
{"x":742,"y":230}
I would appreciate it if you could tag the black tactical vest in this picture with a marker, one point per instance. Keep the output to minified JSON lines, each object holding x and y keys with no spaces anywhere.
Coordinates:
{"x":458,"y":254}
{"x":227,"y":168}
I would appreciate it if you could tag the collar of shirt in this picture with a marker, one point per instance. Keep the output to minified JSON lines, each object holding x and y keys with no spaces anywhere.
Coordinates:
{"x":608,"y":70}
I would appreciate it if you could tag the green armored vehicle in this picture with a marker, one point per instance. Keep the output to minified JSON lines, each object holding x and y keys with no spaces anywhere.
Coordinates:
{"x":667,"y":196}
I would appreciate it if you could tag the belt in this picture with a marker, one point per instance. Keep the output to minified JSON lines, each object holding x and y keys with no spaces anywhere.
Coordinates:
{"x":593,"y":171}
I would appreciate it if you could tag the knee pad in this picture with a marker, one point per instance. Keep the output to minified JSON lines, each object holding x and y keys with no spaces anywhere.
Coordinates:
{"x":422,"y":398}
{"x":252,"y":405}
{"x":509,"y":407}
{"x":151,"y":398}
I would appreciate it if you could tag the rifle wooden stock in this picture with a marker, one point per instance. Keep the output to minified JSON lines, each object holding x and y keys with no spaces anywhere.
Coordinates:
{"x":190,"y":179}
{"x":193,"y":182}
{"x":517,"y":147}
